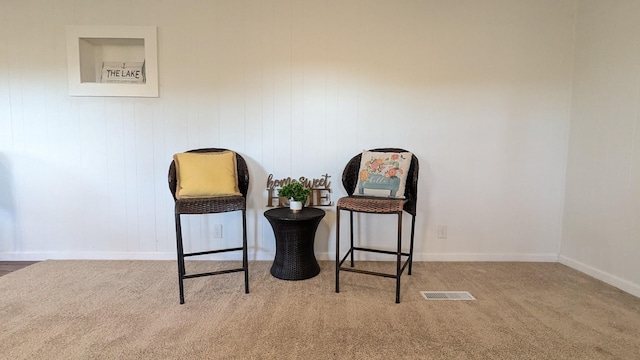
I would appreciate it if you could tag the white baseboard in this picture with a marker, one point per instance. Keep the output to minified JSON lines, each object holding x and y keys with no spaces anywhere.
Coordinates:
{"x":90,"y":255}
{"x":95,"y":255}
{"x":487,"y":257}
{"x":451,"y":257}
{"x":84,"y":255}
{"x":622,"y":284}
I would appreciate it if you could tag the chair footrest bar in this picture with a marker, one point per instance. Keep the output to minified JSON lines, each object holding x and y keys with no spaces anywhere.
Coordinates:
{"x":380,"y":251}
{"x":376,"y":251}
{"x":190,"y":276}
{"x":212,"y":252}
{"x":341,"y":268}
{"x":367,"y":272}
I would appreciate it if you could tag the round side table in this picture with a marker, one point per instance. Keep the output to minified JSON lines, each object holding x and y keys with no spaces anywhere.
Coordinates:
{"x":295,"y":235}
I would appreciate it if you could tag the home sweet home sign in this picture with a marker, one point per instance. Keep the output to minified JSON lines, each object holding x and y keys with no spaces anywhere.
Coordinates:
{"x":320,"y":190}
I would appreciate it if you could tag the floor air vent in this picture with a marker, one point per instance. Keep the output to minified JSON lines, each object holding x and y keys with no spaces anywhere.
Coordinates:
{"x":447,"y":295}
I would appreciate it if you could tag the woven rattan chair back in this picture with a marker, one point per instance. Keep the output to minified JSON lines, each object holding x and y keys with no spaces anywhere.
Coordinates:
{"x":208,"y":206}
{"x":350,"y":178}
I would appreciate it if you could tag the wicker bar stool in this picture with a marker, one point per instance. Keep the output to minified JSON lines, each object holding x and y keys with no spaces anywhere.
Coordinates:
{"x":377,"y":205}
{"x":210,"y":205}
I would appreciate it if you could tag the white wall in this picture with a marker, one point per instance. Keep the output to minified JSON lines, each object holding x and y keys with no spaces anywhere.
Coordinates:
{"x":479,"y":91}
{"x":602,"y":213}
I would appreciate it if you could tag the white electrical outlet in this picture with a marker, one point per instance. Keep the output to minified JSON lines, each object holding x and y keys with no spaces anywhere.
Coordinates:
{"x":217,"y":231}
{"x":442,"y":231}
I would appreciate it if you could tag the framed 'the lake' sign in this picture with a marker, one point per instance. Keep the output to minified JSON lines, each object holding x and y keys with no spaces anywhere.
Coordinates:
{"x":123,"y":72}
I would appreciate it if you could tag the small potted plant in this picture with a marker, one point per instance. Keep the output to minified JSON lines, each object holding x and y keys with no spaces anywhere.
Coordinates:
{"x":296,"y":193}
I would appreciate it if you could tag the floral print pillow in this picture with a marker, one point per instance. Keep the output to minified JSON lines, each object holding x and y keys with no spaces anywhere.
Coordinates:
{"x":383,"y":174}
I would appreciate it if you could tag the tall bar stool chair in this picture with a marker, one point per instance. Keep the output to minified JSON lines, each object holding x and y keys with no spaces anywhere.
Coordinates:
{"x":207,"y":181}
{"x":373,"y":180}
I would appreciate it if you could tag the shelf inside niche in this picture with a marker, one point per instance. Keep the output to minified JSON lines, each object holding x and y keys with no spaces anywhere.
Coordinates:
{"x":92,"y":49}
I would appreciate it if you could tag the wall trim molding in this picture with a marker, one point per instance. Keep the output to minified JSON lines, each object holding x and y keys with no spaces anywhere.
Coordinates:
{"x":622,"y":284}
{"x":452,"y":257}
{"x":98,"y":255}
{"x":84,"y":255}
{"x":110,"y":255}
{"x":550,"y":257}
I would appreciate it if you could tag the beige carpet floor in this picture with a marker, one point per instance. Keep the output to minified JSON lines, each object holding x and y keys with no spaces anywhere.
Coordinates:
{"x":130,"y":310}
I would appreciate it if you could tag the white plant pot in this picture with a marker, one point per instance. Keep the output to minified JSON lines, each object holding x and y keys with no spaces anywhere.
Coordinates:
{"x":295,"y":206}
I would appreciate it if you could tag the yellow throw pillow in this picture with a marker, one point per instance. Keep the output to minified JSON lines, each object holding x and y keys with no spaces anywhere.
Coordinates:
{"x":206,"y":174}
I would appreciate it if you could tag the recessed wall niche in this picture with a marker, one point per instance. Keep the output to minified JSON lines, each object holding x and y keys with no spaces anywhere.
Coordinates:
{"x":112,"y":61}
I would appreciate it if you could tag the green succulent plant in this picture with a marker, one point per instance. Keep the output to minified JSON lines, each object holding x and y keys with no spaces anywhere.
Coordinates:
{"x":295,"y":190}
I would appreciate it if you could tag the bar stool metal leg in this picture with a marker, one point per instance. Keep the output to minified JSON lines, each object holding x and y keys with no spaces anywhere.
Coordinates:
{"x":181,"y":267}
{"x":399,"y":258}
{"x":413,"y":231}
{"x":245,"y":259}
{"x":351,"y":232}
{"x":338,"y":250}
